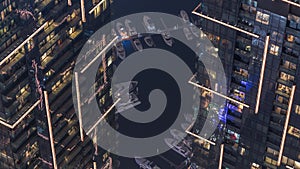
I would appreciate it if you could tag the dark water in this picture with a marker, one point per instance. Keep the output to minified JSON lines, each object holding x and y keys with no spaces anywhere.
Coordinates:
{"x":124,"y":7}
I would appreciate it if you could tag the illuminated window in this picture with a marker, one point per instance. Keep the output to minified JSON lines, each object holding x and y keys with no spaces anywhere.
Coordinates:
{"x":289,"y":65}
{"x":255,"y":166}
{"x":242,"y":72}
{"x":212,"y":73}
{"x":104,"y":4}
{"x":110,"y":92}
{"x":272,"y":151}
{"x":282,"y":100}
{"x":286,"y":77}
{"x":109,"y":60}
{"x":270,"y":161}
{"x":71,"y":30}
{"x":242,"y":152}
{"x":274,"y":49}
{"x":73,"y":15}
{"x":30,"y":44}
{"x":283,"y":88}
{"x":297,"y":109}
{"x":44,"y":56}
{"x":262,"y":18}
{"x":290,"y":38}
{"x":2,"y":15}
{"x":97,"y":11}
{"x":294,"y":131}
{"x":102,"y":100}
{"x":232,"y":136}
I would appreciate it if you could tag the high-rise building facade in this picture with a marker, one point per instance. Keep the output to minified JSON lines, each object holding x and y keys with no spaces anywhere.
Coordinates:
{"x":258,"y":43}
{"x":40,"y":41}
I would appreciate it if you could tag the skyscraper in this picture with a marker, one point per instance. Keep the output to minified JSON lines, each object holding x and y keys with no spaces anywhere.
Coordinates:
{"x":258,"y":43}
{"x":40,"y":41}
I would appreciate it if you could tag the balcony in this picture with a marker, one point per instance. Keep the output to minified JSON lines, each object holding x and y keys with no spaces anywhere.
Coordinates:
{"x":83,"y":158}
{"x":73,"y":154}
{"x":275,"y":128}
{"x":15,"y":113}
{"x":57,"y":100}
{"x":14,"y":30}
{"x":61,"y":63}
{"x":287,"y":70}
{"x":52,"y":42}
{"x":43,"y":5}
{"x":20,"y":142}
{"x":60,"y":134}
{"x":11,"y":96}
{"x":63,"y":158}
{"x":20,"y":101}
{"x":62,"y":145}
{"x":289,"y":57}
{"x":286,"y":83}
{"x":61,"y":112}
{"x":28,"y":123}
{"x":282,"y":93}
{"x":20,"y":78}
{"x":242,"y":59}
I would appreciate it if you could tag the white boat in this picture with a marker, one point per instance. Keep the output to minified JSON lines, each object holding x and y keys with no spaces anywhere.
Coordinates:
{"x":149,"y":41}
{"x":188,"y":117}
{"x":193,"y":166}
{"x":178,"y":147}
{"x":113,"y":32}
{"x":131,"y":29}
{"x":195,"y":31}
{"x":124,"y":88}
{"x":184,"y":126}
{"x":129,"y":101}
{"x":188,"y":34}
{"x":127,"y":92}
{"x":167,"y":38}
{"x":149,"y":25}
{"x":178,"y":135}
{"x":120,"y":50}
{"x":145,"y":164}
{"x":137,"y":44}
{"x":121,"y":30}
{"x":181,"y":136}
{"x":184,"y":16}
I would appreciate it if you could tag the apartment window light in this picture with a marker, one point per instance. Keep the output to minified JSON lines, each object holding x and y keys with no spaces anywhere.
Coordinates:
{"x":297,"y":109}
{"x":274,"y":49}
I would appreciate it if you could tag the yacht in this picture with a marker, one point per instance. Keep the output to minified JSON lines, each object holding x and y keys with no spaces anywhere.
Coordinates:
{"x":124,"y":87}
{"x":167,"y":38}
{"x":120,"y":50}
{"x":149,"y":25}
{"x":149,"y":41}
{"x":131,"y":100}
{"x":145,"y":164}
{"x":195,"y":31}
{"x":189,"y":117}
{"x":184,"y":126}
{"x":132,"y":30}
{"x":137,"y":44}
{"x":178,"y":147}
{"x":181,"y":136}
{"x":121,"y":30}
{"x":188,"y":34}
{"x":178,"y":135}
{"x":184,"y":16}
{"x":193,"y":166}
